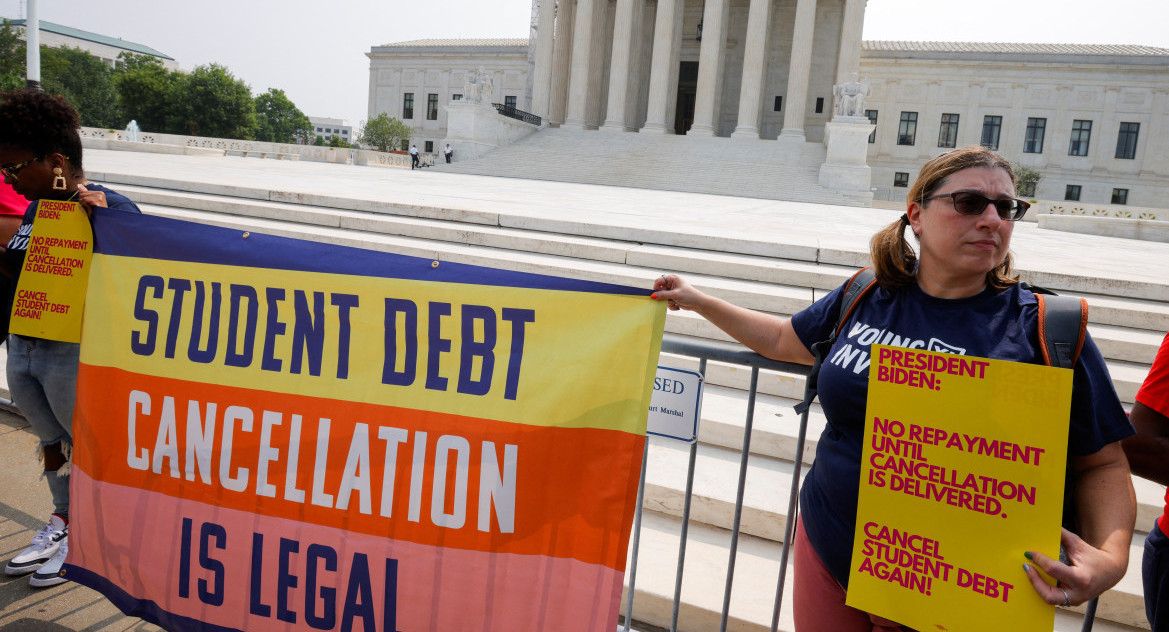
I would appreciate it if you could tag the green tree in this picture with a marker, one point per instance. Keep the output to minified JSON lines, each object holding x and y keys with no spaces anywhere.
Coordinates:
{"x":1028,"y":178}
{"x":214,"y":103}
{"x":12,"y":58}
{"x":384,"y":132}
{"x":147,"y":92}
{"x":280,"y":121}
{"x":337,"y":141}
{"x":319,"y":141}
{"x":85,"y":81}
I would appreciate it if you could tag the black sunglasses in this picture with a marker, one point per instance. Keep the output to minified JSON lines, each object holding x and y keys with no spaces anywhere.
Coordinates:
{"x":10,"y":171}
{"x":968,"y":203}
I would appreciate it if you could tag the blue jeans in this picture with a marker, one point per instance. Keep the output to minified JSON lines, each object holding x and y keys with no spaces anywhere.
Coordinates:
{"x":42,"y":376}
{"x":1155,"y":570}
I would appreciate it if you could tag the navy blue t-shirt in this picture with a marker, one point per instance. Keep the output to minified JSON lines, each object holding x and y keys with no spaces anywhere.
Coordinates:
{"x":1002,"y":325}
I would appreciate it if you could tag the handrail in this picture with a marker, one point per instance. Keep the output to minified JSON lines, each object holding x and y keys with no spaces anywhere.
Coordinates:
{"x":518,"y":115}
{"x":732,"y":353}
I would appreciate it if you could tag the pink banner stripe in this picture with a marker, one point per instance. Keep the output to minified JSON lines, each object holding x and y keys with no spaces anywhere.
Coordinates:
{"x":204,"y":562}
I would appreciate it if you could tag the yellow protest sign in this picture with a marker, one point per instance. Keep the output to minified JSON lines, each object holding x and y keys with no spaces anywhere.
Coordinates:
{"x":963,"y":471}
{"x":50,"y":295}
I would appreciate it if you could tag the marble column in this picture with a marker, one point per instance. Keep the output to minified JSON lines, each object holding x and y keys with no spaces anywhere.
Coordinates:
{"x":710,"y":61}
{"x":578,"y":76}
{"x":662,"y":64}
{"x":799,"y":71}
{"x":561,"y":58}
{"x":754,"y":61}
{"x":542,"y":82}
{"x":619,"y":64}
{"x":849,"y":59}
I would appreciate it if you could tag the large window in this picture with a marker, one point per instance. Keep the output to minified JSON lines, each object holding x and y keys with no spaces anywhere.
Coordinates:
{"x":1126,"y":142}
{"x":948,"y":132}
{"x":408,"y":105}
{"x":907,"y":130}
{"x":432,"y":107}
{"x":872,"y":114}
{"x":992,"y":126}
{"x":900,"y":178}
{"x":1033,"y":143}
{"x":509,"y":101}
{"x":1081,"y":135}
{"x":429,"y":147}
{"x":1072,"y":193}
{"x":1120,"y":196}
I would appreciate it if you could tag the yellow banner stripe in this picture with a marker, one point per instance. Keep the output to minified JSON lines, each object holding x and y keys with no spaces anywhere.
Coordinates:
{"x":478,"y":351}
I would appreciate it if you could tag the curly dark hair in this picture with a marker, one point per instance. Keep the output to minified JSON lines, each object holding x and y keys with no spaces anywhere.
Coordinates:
{"x":41,"y":123}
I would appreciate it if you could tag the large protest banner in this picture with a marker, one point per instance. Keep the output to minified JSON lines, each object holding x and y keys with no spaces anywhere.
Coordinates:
{"x":274,"y":434}
{"x":963,"y":471}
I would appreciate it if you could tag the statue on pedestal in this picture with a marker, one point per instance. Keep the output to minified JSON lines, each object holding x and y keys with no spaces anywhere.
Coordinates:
{"x":478,"y":87}
{"x":850,"y":96}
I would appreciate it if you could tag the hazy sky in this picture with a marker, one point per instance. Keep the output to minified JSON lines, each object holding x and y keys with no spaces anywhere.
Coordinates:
{"x":315,"y":50}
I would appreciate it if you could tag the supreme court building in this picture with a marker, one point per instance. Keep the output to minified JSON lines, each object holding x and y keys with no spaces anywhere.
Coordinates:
{"x":1093,"y":119}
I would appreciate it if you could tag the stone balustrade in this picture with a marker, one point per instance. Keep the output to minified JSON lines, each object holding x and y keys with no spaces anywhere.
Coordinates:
{"x":1100,"y":210}
{"x":100,"y":138}
{"x":1106,"y":220}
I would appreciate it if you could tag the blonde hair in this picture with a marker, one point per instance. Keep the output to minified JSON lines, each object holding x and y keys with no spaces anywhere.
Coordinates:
{"x":894,"y":260}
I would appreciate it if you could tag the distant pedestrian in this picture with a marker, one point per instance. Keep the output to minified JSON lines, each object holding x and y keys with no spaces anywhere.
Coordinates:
{"x":414,"y":157}
{"x":447,"y":152}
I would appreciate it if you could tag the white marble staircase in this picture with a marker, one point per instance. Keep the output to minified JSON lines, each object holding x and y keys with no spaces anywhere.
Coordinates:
{"x":1127,"y":325}
{"x":725,"y":166}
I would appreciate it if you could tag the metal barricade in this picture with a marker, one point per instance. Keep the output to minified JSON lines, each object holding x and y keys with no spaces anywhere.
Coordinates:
{"x":728,"y":353}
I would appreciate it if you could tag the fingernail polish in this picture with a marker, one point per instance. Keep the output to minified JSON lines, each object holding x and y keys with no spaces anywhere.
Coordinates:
{"x":654,"y":296}
{"x":1026,"y":568}
{"x":1029,"y":555}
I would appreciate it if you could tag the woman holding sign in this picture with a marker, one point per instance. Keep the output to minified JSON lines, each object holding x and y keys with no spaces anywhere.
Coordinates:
{"x":958,"y":291}
{"x":40,"y":157}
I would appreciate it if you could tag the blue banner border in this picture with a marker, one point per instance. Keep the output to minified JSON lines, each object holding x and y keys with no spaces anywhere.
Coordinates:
{"x":152,"y":237}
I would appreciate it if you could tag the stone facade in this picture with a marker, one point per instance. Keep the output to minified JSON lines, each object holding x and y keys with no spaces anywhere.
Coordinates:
{"x":433,"y":71}
{"x":774,"y":79}
{"x":329,"y":127}
{"x":1046,"y":85}
{"x":103,"y":47}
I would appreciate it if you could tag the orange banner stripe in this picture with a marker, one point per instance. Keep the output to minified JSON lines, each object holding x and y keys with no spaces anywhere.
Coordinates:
{"x":570,"y":485}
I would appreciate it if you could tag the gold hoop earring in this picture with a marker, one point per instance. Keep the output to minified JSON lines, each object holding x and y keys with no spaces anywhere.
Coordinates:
{"x":58,"y":180}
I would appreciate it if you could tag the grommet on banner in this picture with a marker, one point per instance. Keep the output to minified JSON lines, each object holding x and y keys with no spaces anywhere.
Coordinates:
{"x":246,"y":235}
{"x":434,"y":264}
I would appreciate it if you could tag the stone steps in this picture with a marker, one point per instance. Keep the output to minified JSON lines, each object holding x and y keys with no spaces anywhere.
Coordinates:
{"x":765,"y":499}
{"x":557,"y":254}
{"x":774,"y":435}
{"x":754,"y":585}
{"x":761,"y":169}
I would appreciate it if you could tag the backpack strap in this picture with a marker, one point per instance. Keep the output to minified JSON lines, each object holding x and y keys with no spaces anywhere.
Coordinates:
{"x":1063,"y":325}
{"x":858,"y":286}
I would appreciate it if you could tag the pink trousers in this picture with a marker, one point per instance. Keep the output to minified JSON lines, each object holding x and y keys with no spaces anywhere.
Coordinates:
{"x":819,"y":599}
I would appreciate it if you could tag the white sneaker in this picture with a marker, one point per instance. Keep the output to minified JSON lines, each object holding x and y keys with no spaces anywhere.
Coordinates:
{"x":44,"y":546}
{"x":50,"y":574}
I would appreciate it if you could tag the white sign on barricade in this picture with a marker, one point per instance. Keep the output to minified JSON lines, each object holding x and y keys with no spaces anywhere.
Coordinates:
{"x":676,"y":402}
